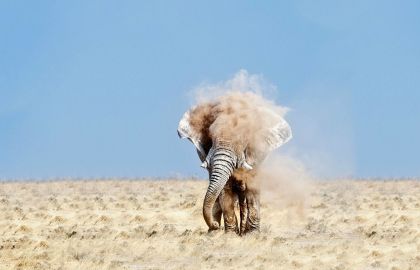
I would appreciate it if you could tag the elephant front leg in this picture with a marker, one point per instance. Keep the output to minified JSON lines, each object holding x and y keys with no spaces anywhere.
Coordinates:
{"x":227,"y":202}
{"x":253,"y":204}
{"x":240,"y":188}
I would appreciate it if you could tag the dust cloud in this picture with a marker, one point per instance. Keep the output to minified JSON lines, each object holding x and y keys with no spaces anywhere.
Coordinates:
{"x":237,"y":111}
{"x":241,"y":118}
{"x":285,"y":184}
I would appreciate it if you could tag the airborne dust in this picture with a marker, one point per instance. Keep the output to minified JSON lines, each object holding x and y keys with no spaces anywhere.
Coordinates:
{"x":241,"y":114}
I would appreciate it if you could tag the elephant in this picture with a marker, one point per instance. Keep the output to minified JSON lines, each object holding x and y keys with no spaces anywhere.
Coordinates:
{"x":232,"y":136}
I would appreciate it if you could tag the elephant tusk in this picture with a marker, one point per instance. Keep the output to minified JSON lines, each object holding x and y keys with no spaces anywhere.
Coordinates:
{"x":204,"y":164}
{"x":247,"y":166}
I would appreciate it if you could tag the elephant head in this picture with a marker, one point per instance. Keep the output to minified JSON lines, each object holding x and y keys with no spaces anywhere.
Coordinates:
{"x":231,"y":133}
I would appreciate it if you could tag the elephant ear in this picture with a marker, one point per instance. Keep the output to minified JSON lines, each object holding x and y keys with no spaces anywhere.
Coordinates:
{"x":274,"y":137}
{"x":278,"y":135}
{"x":187,"y":131}
{"x":194,"y":126}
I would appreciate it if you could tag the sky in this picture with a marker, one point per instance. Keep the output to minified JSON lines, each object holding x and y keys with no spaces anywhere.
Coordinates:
{"x":96,"y":88}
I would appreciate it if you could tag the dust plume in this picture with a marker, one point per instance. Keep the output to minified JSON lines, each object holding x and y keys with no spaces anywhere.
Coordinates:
{"x":285,"y":184}
{"x":237,"y":111}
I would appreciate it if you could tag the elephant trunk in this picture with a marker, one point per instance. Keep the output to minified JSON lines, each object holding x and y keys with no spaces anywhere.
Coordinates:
{"x":223,"y":162}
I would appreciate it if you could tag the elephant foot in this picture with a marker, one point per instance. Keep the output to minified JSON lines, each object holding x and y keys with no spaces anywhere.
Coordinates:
{"x":251,"y":233}
{"x":231,"y":224}
{"x":252,"y":230}
{"x":232,"y":227}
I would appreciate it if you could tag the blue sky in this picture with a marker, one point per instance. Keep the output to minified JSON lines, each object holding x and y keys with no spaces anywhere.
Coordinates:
{"x":96,"y":88}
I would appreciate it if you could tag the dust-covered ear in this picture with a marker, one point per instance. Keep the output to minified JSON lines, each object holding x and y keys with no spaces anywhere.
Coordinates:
{"x":278,"y":135}
{"x":273,"y":138}
{"x":194,"y":125}
{"x":187,"y":131}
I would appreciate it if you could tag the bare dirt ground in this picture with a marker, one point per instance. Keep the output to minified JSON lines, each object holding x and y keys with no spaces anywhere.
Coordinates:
{"x":158,"y":225}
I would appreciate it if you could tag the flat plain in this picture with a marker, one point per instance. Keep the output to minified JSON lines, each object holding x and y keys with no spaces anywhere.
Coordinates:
{"x":158,"y":224}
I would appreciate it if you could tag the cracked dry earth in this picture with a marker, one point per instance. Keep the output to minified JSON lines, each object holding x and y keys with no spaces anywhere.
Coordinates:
{"x":143,"y":224}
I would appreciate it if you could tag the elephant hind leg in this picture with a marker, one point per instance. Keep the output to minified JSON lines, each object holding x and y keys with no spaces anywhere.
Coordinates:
{"x":253,"y":204}
{"x":243,"y":212}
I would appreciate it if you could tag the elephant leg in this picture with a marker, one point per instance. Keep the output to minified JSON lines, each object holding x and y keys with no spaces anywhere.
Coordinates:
{"x":243,"y":211}
{"x":227,"y":202}
{"x":253,"y":203}
{"x":239,"y":189}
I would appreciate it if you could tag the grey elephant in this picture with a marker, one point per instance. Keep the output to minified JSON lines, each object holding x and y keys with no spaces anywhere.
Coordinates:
{"x":233,"y":135}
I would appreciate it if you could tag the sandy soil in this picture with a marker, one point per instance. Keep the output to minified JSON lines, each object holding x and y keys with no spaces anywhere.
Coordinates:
{"x":159,"y":225}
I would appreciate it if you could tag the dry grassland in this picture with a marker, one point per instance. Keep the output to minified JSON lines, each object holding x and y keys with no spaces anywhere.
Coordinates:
{"x":158,"y":225}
